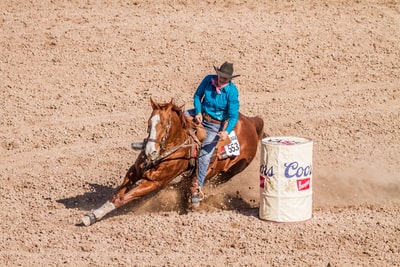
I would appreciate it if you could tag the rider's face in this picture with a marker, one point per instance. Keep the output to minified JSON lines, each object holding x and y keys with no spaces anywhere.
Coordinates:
{"x":222,"y":80}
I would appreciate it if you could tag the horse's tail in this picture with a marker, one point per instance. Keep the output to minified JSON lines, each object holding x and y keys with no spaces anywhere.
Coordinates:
{"x":259,"y":124}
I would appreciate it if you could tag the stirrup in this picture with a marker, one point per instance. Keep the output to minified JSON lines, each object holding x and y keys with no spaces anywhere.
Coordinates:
{"x":201,"y":194}
{"x":195,"y":200}
{"x":197,"y":197}
{"x":137,"y":146}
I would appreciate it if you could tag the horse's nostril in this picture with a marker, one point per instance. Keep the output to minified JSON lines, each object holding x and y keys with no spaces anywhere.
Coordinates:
{"x":153,"y":155}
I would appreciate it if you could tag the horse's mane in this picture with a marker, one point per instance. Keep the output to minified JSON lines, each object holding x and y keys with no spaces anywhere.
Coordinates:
{"x":186,"y":121}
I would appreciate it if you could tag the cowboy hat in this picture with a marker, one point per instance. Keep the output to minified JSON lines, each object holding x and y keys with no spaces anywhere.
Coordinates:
{"x":226,"y":70}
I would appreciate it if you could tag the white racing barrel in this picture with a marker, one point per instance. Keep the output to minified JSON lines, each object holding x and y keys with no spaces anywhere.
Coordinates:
{"x":286,"y":179}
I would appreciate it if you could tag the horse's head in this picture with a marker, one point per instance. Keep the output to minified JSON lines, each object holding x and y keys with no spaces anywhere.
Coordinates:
{"x":159,"y":126}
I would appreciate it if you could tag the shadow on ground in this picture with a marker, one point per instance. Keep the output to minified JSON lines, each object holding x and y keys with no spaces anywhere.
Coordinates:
{"x":169,"y":199}
{"x":97,"y":195}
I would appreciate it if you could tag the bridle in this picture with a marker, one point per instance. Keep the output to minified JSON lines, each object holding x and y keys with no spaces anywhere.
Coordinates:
{"x":167,"y":151}
{"x":164,"y":138}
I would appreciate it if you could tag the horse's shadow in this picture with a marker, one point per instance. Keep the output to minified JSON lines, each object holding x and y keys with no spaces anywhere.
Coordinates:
{"x":89,"y":200}
{"x":99,"y":194}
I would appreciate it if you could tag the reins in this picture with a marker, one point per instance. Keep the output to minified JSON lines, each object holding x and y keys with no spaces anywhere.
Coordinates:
{"x":164,"y":138}
{"x":151,"y":163}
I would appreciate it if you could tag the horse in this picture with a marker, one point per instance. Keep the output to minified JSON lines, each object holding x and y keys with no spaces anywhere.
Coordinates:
{"x":170,"y":151}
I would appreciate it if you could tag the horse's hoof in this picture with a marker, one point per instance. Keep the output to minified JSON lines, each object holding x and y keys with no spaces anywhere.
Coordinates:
{"x":89,"y":219}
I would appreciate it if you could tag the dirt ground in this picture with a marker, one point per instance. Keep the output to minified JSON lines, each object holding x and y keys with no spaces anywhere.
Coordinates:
{"x":75,"y":82}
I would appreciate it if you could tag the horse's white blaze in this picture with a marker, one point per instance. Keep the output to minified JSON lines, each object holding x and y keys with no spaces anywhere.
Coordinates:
{"x":151,"y":145}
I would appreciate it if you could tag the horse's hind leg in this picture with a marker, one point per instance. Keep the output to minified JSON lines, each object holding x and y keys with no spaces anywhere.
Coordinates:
{"x":185,"y":193}
{"x":236,"y":168}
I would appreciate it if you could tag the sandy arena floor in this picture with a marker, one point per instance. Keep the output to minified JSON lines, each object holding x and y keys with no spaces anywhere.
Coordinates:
{"x":75,"y":82}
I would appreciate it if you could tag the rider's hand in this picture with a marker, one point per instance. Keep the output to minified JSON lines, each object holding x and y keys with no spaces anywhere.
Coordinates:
{"x":199,"y":118}
{"x":223,"y":135}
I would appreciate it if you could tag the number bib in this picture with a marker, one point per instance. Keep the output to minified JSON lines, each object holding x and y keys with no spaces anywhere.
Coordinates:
{"x":233,"y":149}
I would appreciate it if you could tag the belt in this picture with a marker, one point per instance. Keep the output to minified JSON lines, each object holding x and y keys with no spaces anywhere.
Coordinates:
{"x":208,"y":118}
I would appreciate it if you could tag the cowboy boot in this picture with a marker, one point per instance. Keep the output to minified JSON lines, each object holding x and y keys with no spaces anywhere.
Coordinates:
{"x":197,"y":194}
{"x":137,"y":146}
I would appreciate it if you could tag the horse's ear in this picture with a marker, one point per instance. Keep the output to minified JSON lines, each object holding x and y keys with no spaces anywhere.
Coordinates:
{"x":170,"y":104}
{"x":154,"y":105}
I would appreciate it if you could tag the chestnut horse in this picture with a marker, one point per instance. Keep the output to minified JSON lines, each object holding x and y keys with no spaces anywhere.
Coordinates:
{"x":169,"y":152}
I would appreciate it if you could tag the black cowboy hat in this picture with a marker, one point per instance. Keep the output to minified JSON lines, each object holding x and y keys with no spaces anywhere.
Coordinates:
{"x":226,"y":70}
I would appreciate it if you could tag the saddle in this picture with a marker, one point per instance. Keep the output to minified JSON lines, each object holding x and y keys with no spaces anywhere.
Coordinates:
{"x":198,"y":134}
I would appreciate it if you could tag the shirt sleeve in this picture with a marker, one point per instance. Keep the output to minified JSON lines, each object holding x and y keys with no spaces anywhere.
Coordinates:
{"x":198,"y":95}
{"x":233,"y":108}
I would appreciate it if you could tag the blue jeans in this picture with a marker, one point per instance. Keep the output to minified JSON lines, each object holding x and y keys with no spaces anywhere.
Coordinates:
{"x":207,"y":147}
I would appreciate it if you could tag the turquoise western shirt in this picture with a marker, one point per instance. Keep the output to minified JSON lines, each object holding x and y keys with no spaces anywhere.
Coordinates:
{"x":223,"y":106}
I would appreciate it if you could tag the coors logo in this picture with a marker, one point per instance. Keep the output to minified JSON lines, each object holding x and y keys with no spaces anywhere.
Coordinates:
{"x":294,"y":169}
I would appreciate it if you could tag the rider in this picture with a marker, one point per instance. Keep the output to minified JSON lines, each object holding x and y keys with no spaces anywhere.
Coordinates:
{"x":216,"y":106}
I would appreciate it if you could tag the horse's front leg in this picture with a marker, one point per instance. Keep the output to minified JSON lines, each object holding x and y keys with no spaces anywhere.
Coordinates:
{"x":114,"y":202}
{"x":145,"y":187}
{"x":107,"y":207}
{"x":121,"y":197}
